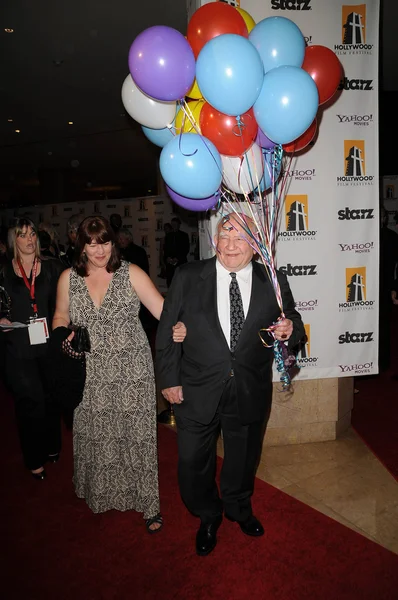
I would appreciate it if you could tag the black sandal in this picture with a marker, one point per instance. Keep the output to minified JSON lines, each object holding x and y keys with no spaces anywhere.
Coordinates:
{"x":156,"y":519}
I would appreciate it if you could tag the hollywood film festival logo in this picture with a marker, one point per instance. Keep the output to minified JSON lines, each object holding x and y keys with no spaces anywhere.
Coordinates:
{"x":355,"y":173}
{"x":356,"y":292}
{"x":305,"y":358}
{"x":354,"y":31}
{"x":296,"y":219}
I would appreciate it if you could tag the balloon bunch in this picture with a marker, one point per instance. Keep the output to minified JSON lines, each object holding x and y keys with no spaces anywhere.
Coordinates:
{"x":224,"y":103}
{"x":220,"y":100}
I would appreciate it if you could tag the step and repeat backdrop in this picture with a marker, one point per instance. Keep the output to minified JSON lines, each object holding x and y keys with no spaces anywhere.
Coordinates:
{"x":328,"y":242}
{"x":144,"y":217}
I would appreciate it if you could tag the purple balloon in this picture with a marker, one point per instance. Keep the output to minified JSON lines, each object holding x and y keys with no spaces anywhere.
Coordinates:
{"x":162,"y":63}
{"x":194,"y":204}
{"x":263,"y":141}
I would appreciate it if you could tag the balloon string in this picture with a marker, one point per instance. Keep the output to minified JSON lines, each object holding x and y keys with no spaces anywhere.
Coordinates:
{"x":264,"y":212}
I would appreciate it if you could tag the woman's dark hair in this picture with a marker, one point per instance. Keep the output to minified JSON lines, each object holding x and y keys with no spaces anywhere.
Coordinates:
{"x":94,"y":229}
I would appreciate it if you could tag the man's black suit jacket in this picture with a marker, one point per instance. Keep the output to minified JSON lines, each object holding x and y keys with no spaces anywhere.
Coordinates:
{"x":203,"y":363}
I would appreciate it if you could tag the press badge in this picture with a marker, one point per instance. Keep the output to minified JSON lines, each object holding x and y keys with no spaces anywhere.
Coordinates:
{"x":38,"y":331}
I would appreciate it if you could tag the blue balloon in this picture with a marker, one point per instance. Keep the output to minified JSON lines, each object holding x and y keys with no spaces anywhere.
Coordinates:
{"x":272,"y":170}
{"x":191,"y":166}
{"x":160,"y":137}
{"x":287,"y":104}
{"x":229,"y":73}
{"x":279,"y":42}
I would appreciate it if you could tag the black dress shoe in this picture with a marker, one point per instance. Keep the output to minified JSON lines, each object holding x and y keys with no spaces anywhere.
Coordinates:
{"x":54,"y":458}
{"x":39,"y":476}
{"x":251,"y":526}
{"x":206,"y":538}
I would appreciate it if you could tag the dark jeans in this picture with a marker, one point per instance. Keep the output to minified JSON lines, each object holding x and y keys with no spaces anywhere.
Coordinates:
{"x":38,"y":416}
{"x":197,"y":461}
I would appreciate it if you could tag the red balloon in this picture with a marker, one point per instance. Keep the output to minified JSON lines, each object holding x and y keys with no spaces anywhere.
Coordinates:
{"x":325,"y":69}
{"x":227,"y":135}
{"x":212,"y":20}
{"x":301,"y":142}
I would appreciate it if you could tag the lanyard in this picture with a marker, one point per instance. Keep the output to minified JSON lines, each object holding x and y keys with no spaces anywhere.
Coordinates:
{"x":30,"y":286}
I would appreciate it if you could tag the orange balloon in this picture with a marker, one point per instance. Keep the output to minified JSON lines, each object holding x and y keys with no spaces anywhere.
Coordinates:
{"x":212,"y":20}
{"x":302,"y":142}
{"x":230,"y":138}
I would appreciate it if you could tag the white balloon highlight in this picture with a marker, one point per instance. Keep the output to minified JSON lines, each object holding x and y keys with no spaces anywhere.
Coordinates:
{"x":144,"y":109}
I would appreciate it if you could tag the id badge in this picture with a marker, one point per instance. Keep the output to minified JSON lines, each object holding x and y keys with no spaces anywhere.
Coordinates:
{"x":38,"y":331}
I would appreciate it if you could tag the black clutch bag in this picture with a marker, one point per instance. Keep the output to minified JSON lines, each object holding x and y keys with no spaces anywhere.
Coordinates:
{"x":81,"y":339}
{"x":67,"y":371}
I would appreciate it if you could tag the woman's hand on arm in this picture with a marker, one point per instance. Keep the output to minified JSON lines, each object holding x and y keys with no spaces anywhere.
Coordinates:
{"x":61,"y":315}
{"x":179,"y":332}
{"x":5,"y":321}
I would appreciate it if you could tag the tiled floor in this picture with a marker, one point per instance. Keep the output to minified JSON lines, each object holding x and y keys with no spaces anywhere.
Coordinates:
{"x":341,"y":479}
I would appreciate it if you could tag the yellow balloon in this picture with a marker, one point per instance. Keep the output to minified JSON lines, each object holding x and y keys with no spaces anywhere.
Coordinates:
{"x":248,"y":19}
{"x":195,"y":92}
{"x":183,"y":122}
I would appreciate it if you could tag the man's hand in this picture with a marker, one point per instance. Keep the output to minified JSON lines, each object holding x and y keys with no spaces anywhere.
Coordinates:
{"x":283,"y":330}
{"x":173,"y":394}
{"x":394,"y":297}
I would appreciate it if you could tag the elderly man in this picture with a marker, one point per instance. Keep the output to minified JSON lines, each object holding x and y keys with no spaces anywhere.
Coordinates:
{"x":222,"y":378}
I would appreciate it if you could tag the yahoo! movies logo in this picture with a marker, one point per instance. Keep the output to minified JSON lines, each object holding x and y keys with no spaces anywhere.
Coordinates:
{"x":301,"y":174}
{"x":355,"y":172}
{"x":357,"y":369}
{"x":305,"y":357}
{"x":305,"y":305}
{"x":355,"y":291}
{"x":357,"y":247}
{"x":296,"y":219}
{"x":355,"y":119}
{"x":353,"y":32}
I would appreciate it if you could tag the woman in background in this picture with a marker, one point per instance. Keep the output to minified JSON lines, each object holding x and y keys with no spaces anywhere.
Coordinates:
{"x":31,"y":282}
{"x":114,"y":432}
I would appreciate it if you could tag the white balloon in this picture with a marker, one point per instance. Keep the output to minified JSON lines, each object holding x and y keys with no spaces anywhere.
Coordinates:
{"x":144,"y":109}
{"x":242,"y":174}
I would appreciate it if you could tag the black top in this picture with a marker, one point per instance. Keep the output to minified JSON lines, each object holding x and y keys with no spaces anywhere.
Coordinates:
{"x":176,"y":245}
{"x":17,"y":341}
{"x":388,"y":259}
{"x":136,"y":255}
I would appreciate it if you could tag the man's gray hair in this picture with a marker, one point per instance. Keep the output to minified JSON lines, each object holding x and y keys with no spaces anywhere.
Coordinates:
{"x":74,"y":222}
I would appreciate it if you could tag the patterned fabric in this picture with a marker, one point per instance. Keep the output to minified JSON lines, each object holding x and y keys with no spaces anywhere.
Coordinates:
{"x":237,"y":315}
{"x":114,"y":431}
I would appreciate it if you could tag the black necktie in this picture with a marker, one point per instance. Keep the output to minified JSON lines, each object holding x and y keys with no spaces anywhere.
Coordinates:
{"x":237,"y":316}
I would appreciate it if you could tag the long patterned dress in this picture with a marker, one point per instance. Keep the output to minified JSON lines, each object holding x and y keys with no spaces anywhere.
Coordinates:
{"x":114,"y":430}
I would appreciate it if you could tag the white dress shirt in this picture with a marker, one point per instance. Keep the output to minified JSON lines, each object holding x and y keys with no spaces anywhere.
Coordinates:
{"x":244,"y":279}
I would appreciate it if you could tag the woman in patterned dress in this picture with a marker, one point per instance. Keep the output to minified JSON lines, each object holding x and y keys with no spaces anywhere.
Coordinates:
{"x":114,"y":429}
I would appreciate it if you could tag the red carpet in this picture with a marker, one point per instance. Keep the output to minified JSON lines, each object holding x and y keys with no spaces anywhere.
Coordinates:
{"x":54,"y":548}
{"x":375,"y":413}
